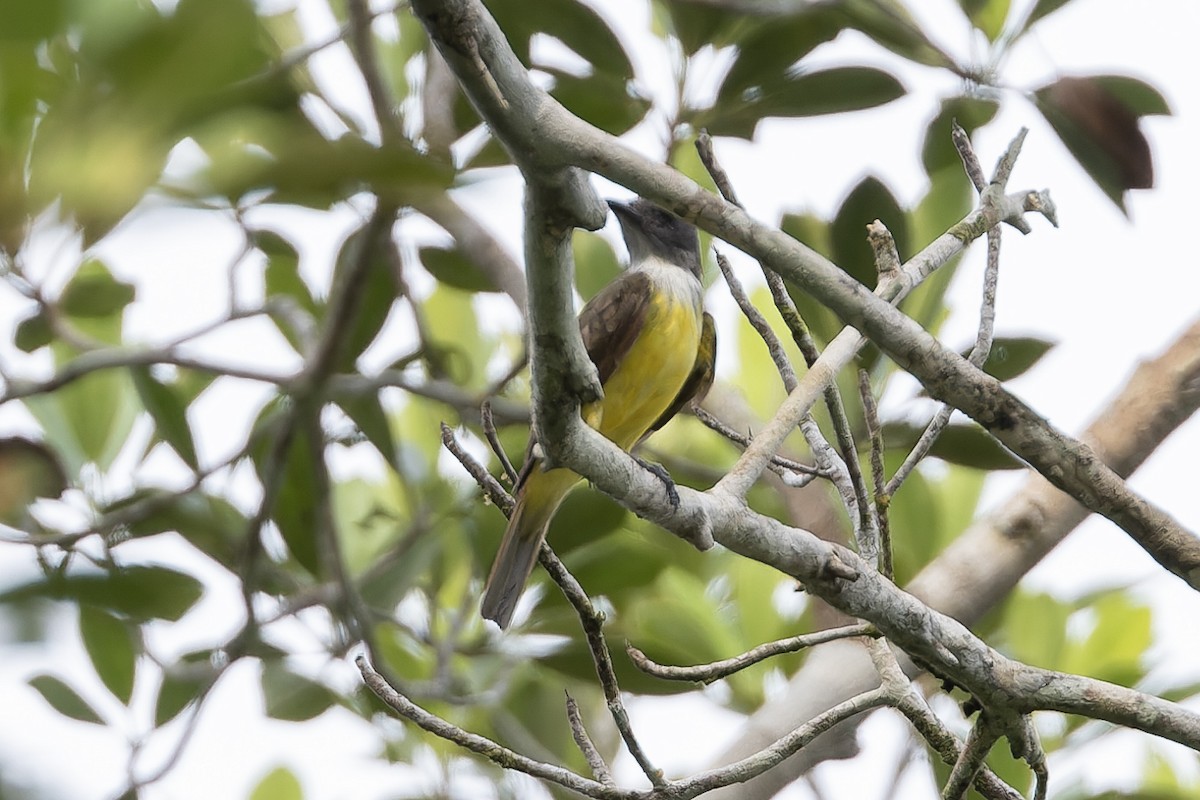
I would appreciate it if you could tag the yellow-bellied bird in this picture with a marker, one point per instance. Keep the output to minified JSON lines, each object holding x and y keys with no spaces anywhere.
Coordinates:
{"x":653,"y":346}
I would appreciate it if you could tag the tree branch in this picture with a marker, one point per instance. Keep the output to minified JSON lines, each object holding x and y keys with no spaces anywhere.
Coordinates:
{"x":1160,"y":395}
{"x":708,"y":673}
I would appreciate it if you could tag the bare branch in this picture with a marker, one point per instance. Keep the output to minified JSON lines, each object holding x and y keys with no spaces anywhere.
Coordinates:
{"x":971,"y":165}
{"x":443,"y":391}
{"x":594,"y":760}
{"x":786,"y":746}
{"x":362,"y":43}
{"x":593,"y":622}
{"x":979,"y":742}
{"x":491,"y":487}
{"x":978,"y":357}
{"x":1160,"y":396}
{"x":489,"y":430}
{"x":845,"y":472}
{"x":759,"y":323}
{"x":882,"y":498}
{"x":779,"y":464}
{"x":485,"y":747}
{"x":707,"y":673}
{"x":704,"y":146}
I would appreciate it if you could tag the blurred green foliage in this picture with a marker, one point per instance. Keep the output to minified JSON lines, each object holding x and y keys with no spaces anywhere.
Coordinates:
{"x":99,"y":97}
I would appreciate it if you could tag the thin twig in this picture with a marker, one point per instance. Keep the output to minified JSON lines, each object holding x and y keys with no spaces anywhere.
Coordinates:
{"x":882,"y":499}
{"x":1008,"y":159}
{"x":840,"y":471}
{"x":970,"y":161}
{"x":707,"y":673}
{"x":847,"y":475}
{"x":497,"y":754}
{"x":443,"y":391}
{"x":1041,"y":780}
{"x":783,"y":748}
{"x":704,"y":146}
{"x":190,"y":726}
{"x":491,"y":487}
{"x":980,"y":351}
{"x":595,"y":761}
{"x":779,"y":464}
{"x":979,"y":741}
{"x":363,"y":46}
{"x":592,"y":622}
{"x":757,"y":321}
{"x":911,"y":703}
{"x":489,"y":430}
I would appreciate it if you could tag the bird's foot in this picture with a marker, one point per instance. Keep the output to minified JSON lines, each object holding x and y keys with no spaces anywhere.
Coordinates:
{"x":660,"y":472}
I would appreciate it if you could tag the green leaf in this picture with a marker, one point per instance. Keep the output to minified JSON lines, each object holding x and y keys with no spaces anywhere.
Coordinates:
{"x":63,"y":699}
{"x":765,"y":55}
{"x":1116,"y":647}
{"x":169,"y":411}
{"x":1011,"y":356}
{"x":596,"y":264}
{"x":965,"y":444}
{"x":1041,"y":9}
{"x":573,"y":23}
{"x":457,"y":349}
{"x":829,"y":91}
{"x":94,"y":292}
{"x":179,"y":688}
{"x":987,"y":15}
{"x":140,"y":592}
{"x":211,"y":524}
{"x":33,"y":332}
{"x":1138,"y":96}
{"x":89,"y":419}
{"x":370,"y":518}
{"x":367,"y":412}
{"x":28,"y":470}
{"x":602,"y":99}
{"x":683,"y":626}
{"x":891,"y":25}
{"x":1101,"y":129}
{"x":282,"y":278}
{"x":31,"y":21}
{"x":112,"y":648}
{"x":938,"y":151}
{"x":452,"y":268}
{"x":1036,"y":629}
{"x":378,"y":291}
{"x":696,"y":24}
{"x":869,"y":200}
{"x":278,"y":784}
{"x":292,"y":697}
{"x":295,"y":507}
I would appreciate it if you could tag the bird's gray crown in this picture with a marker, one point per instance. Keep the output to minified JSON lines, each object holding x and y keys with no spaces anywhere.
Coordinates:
{"x":652,"y":231}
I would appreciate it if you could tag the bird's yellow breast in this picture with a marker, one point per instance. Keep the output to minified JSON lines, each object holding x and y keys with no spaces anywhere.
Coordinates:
{"x":648,"y":379}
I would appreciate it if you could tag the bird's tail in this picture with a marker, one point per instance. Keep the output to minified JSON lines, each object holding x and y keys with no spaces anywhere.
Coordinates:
{"x":537,"y":501}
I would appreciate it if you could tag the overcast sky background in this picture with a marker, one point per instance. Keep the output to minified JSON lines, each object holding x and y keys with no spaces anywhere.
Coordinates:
{"x":1109,"y":290}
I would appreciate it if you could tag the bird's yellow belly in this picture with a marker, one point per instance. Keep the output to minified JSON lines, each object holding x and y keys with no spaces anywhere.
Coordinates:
{"x":650,"y":376}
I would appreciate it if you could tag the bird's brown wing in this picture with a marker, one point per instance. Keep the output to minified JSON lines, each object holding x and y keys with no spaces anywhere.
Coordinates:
{"x":609,"y":325}
{"x":700,"y":380}
{"x":611,"y":321}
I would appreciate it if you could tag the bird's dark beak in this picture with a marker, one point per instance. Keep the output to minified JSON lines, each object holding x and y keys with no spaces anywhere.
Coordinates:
{"x":622,"y":210}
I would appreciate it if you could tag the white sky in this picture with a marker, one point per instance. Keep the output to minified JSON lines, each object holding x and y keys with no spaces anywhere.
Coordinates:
{"x":1110,"y":291}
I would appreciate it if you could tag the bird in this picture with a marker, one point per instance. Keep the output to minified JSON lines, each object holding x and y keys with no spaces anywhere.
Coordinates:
{"x":654,"y":348}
